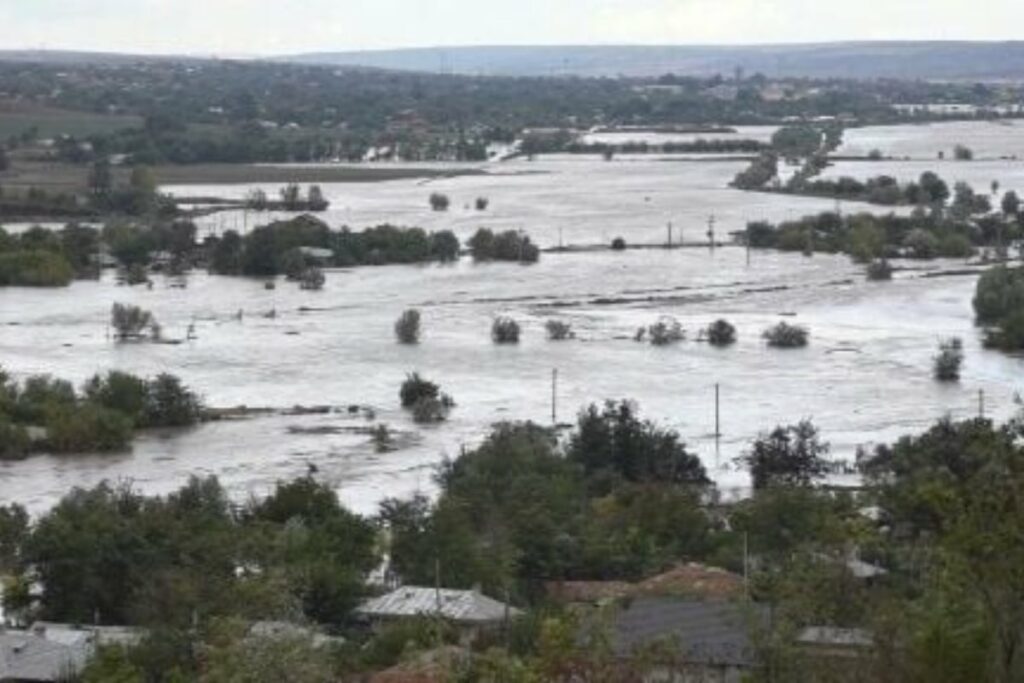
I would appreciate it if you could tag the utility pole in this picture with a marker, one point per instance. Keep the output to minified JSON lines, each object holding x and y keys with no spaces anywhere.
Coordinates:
{"x":711,"y":230}
{"x":554,"y":397}
{"x":670,"y":234}
{"x":981,"y":404}
{"x":718,"y":414}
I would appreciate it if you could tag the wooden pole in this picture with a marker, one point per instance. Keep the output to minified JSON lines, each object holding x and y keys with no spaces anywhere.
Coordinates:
{"x":981,"y":404}
{"x":718,"y":413}
{"x":554,"y":397}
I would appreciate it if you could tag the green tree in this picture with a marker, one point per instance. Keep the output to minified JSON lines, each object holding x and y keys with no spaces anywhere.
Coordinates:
{"x":788,"y":456}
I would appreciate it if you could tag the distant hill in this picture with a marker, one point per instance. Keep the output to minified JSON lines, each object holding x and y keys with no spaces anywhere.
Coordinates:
{"x":905,"y":60}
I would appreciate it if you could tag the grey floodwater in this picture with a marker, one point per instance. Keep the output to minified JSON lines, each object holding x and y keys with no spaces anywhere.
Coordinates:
{"x":866,"y":377}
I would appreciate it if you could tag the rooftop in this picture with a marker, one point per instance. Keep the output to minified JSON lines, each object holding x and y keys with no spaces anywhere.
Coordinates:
{"x":464,"y":606}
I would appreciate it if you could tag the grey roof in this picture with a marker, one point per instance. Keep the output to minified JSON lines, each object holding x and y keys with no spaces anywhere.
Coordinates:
{"x":829,"y":635}
{"x":124,"y":636}
{"x":458,"y":605}
{"x":699,"y":632}
{"x":27,"y":656}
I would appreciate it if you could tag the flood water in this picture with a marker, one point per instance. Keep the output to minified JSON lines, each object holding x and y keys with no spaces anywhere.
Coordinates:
{"x":866,"y":377}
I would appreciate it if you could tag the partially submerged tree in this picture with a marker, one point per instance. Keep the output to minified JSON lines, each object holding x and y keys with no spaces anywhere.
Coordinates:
{"x":949,"y":360}
{"x":879,"y":270}
{"x":425,"y":399}
{"x":667,"y":330}
{"x":559,"y":330}
{"x":786,"y":336}
{"x":132,"y":323}
{"x":407,"y":327}
{"x":721,"y":333}
{"x":788,"y":456}
{"x":505,"y":330}
{"x":439,"y":202}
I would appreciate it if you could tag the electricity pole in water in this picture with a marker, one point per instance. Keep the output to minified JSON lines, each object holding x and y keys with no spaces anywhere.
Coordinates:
{"x":554,"y":397}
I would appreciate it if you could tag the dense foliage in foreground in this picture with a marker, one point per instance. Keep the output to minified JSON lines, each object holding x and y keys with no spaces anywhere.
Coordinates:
{"x":940,"y":517}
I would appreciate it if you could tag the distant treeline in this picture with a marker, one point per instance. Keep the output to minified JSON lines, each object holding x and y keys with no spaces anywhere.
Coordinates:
{"x":866,"y":237}
{"x":700,"y":146}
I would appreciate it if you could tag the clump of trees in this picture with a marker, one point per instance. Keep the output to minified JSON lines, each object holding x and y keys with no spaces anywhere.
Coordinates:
{"x":505,"y":330}
{"x":271,"y":249}
{"x":721,"y":333}
{"x":999,"y":306}
{"x":312,"y":279}
{"x":559,"y":330}
{"x":787,"y":456}
{"x":407,"y":327}
{"x":618,"y":244}
{"x":949,"y":360}
{"x":133,"y":323}
{"x":439,"y":202}
{"x":482,"y":203}
{"x":786,"y":336}
{"x":759,"y":174}
{"x":879,"y":270}
{"x":504,"y":246}
{"x":425,"y":399}
{"x":99,"y":418}
{"x":667,"y":330}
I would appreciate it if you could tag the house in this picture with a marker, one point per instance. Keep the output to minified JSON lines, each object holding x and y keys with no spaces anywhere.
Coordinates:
{"x":684,"y":640}
{"x":56,"y":652}
{"x":831,"y":643}
{"x":316,"y":255}
{"x":469,"y":610}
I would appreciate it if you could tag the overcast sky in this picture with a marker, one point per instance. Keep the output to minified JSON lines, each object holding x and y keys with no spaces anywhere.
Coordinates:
{"x":290,"y":26}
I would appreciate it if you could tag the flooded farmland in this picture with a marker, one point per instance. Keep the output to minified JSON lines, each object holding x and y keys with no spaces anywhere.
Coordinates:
{"x":865,"y":378}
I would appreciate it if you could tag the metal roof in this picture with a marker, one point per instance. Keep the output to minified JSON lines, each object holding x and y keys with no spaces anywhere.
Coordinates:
{"x":458,"y":605}
{"x":699,"y":632}
{"x":26,"y":656}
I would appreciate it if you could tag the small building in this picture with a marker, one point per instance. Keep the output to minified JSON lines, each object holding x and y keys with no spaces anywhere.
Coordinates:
{"x":469,"y":610}
{"x":684,"y":640}
{"x":56,"y":652}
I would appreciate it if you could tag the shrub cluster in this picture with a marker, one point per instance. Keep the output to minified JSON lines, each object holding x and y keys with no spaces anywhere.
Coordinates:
{"x":505,"y":330}
{"x":424,"y":399}
{"x":407,"y":327}
{"x":786,"y":336}
{"x":510,"y":245}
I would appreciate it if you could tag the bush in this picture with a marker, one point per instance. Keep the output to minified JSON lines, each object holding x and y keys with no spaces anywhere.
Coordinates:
{"x":559,"y":331}
{"x":88,"y":428}
{"x":425,"y":399}
{"x":505,"y":330}
{"x":1009,"y":335}
{"x":415,"y":388}
{"x":313,"y":279}
{"x":721,"y":333}
{"x":444,"y":246}
{"x":963,"y":153}
{"x":170,"y":404}
{"x":506,"y":246}
{"x":618,"y":244}
{"x":382,"y":439}
{"x":14,"y":440}
{"x":482,"y":203}
{"x":34,"y":268}
{"x":949,"y":360}
{"x":427,"y":410}
{"x":133,"y":323}
{"x":407,"y":327}
{"x":666,"y":331}
{"x":786,"y":336}
{"x":439,"y":202}
{"x":879,"y":270}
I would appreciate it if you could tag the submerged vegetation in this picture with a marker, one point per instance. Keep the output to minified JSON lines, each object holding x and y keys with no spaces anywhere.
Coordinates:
{"x":786,"y":336}
{"x":999,"y":306}
{"x":46,"y":414}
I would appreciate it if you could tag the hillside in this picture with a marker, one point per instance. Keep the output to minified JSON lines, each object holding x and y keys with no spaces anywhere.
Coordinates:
{"x":914,"y":60}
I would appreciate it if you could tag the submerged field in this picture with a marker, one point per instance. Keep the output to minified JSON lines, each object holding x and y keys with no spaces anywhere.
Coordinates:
{"x":865,"y":378}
